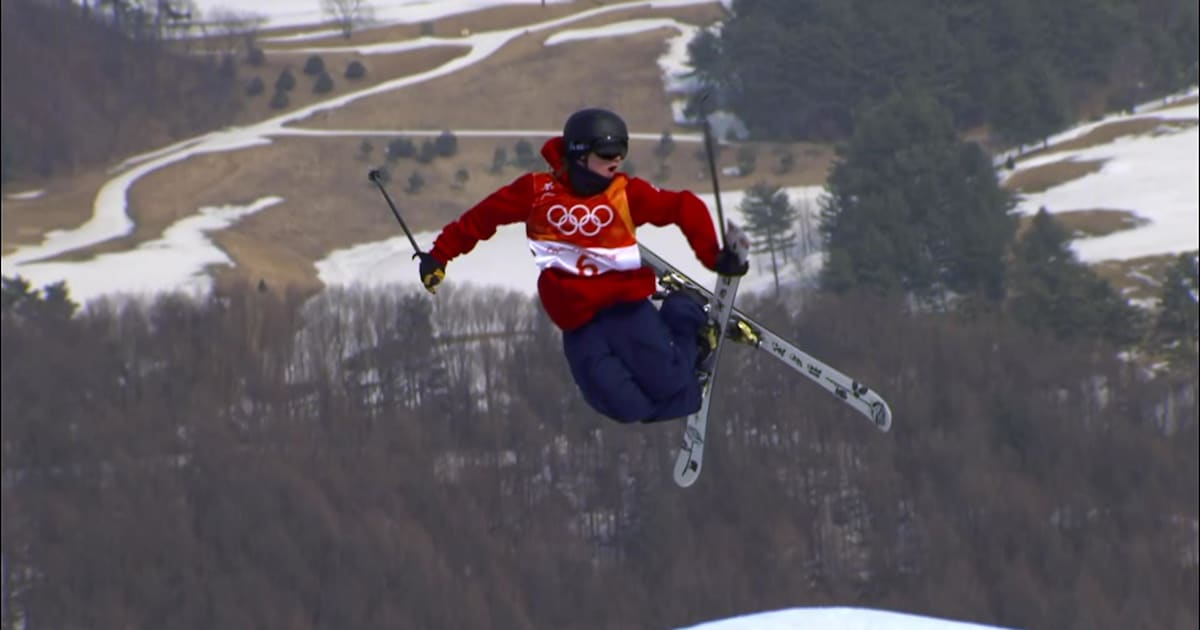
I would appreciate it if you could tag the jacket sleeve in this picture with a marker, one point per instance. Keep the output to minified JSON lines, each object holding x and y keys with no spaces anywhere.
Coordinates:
{"x":509,"y":204}
{"x":648,"y":204}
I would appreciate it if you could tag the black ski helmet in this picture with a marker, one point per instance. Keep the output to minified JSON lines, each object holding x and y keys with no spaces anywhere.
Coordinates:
{"x":595,"y":129}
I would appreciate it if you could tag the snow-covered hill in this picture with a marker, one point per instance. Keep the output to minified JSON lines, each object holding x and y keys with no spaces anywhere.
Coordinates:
{"x":835,"y":618}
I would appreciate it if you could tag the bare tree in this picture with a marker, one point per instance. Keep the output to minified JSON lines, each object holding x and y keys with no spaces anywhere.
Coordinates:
{"x":348,"y":14}
{"x":770,"y":219}
{"x":233,"y":30}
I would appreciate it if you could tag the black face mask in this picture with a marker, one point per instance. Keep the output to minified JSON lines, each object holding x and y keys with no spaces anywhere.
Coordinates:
{"x":584,"y":181}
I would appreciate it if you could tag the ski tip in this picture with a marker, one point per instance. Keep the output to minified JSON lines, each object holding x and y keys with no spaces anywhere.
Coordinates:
{"x":881,"y":415}
{"x":687,"y":469}
{"x":686,"y":479}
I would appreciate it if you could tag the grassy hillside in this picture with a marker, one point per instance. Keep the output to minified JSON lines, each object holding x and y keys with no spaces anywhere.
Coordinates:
{"x":78,"y":92}
{"x":96,"y":97}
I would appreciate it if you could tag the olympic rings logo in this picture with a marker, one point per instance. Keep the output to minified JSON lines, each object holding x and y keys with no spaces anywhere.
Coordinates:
{"x":579,"y":219}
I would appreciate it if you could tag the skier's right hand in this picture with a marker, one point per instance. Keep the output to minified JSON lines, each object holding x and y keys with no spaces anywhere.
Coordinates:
{"x":730,"y":264}
{"x":432,"y":271}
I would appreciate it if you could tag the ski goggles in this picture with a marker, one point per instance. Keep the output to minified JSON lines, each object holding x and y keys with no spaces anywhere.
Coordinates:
{"x":610,"y":147}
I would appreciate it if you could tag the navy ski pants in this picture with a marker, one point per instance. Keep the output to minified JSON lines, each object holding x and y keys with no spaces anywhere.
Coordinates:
{"x":636,"y":363}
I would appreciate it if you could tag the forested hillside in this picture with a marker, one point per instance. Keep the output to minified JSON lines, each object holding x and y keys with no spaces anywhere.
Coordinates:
{"x":244,"y":462}
{"x":86,"y":87}
{"x":803,"y":69}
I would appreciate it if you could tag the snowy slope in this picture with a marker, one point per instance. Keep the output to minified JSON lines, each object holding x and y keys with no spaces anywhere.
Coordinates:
{"x":836,"y":618}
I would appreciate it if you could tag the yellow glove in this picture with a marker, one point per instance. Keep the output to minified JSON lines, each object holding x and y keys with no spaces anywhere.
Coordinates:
{"x":432,"y":271}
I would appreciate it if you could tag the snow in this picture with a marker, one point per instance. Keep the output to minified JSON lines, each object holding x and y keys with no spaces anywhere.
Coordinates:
{"x":287,"y":13}
{"x":156,"y":263}
{"x":839,"y":618}
{"x":28,"y":194}
{"x":628,"y":27}
{"x":1153,"y":176}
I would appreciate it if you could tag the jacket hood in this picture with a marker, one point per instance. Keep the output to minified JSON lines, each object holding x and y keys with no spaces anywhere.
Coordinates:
{"x":555,"y":152}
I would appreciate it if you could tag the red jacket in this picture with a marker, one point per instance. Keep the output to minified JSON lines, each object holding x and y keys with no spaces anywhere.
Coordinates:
{"x":572,"y":300}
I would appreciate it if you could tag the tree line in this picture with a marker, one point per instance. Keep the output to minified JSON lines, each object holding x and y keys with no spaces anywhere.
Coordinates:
{"x":803,"y":69}
{"x":83,"y":86}
{"x":379,"y":459}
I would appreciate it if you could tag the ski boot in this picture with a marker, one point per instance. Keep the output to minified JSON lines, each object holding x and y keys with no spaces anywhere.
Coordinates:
{"x":674,"y":283}
{"x":741,"y":332}
{"x":706,"y":343}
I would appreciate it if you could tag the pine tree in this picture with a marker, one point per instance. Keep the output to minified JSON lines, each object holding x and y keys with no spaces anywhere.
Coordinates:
{"x":909,"y":207}
{"x":446,"y":144}
{"x":524,"y":154}
{"x":1177,"y":328}
{"x":1052,"y":291}
{"x":665,"y":146}
{"x":50,"y":304}
{"x":770,"y":219}
{"x":499,"y":160}
{"x":415,"y":183}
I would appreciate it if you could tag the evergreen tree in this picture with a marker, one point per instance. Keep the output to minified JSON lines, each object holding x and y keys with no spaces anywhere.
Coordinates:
{"x":1011,"y":108}
{"x":51,"y":304}
{"x":770,"y":218}
{"x":1052,"y":107}
{"x":415,"y":183}
{"x":446,"y":144}
{"x":323,"y":84}
{"x":314,"y":65}
{"x":1030,"y":104}
{"x":461,"y":177}
{"x":499,"y":160}
{"x":400,"y":148}
{"x":665,"y":146}
{"x":1177,"y":328}
{"x":525,"y":156}
{"x":843,"y":55}
{"x":355,"y":70}
{"x":286,"y":81}
{"x":279,"y":100}
{"x":911,"y":208}
{"x":427,"y":152}
{"x":1052,"y":291}
{"x":256,"y":57}
{"x":839,"y":56}
{"x":255,"y":87}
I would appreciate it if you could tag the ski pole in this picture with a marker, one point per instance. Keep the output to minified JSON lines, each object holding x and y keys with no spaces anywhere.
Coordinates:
{"x":712,"y":165}
{"x":375,"y":177}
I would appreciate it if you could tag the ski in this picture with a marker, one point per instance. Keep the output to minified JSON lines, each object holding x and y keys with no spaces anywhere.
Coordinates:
{"x":720,"y":309}
{"x":742,"y":329}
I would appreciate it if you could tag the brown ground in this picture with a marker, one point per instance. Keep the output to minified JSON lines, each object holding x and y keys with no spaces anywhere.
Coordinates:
{"x":1090,"y":223}
{"x":1138,"y":278}
{"x":329,"y":204}
{"x":1046,"y":176}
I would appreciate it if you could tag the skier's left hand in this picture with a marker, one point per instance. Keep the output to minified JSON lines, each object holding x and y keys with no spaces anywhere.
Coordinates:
{"x":729,"y":264}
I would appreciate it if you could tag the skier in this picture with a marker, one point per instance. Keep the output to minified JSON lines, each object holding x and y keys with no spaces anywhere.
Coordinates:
{"x":631,"y":362}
